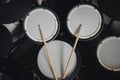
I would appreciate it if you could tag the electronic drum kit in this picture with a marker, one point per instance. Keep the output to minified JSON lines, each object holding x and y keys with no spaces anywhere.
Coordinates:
{"x":60,"y":40}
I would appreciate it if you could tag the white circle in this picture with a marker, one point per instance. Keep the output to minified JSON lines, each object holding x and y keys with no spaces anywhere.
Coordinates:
{"x":86,"y":15}
{"x":108,"y":53}
{"x":59,"y":51}
{"x":47,"y":21}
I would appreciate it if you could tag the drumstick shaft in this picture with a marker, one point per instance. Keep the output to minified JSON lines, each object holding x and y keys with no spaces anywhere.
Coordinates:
{"x":48,"y":53}
{"x":64,"y":75}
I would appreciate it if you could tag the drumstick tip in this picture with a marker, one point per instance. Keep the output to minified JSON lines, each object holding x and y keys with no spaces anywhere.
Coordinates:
{"x":80,"y":26}
{"x":39,"y":26}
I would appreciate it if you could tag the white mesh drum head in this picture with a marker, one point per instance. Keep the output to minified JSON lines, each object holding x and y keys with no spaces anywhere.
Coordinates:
{"x":47,"y":21}
{"x":59,"y":51}
{"x":108,"y":53}
{"x":86,"y":15}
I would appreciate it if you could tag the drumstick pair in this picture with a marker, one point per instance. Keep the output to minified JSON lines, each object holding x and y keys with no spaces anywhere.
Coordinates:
{"x":49,"y":57}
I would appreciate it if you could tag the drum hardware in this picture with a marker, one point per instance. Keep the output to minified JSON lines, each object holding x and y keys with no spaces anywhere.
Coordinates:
{"x":35,"y":76}
{"x":94,"y":2}
{"x":16,"y":29}
{"x":39,"y":2}
{"x":73,"y":49}
{"x":15,"y":45}
{"x":110,"y":23}
{"x":48,"y":54}
{"x":12,"y":26}
{"x":115,"y":28}
{"x":19,"y":50}
{"x":19,"y":42}
{"x":5,"y":41}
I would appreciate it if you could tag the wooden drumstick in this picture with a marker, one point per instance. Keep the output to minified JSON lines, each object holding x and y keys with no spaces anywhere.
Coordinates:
{"x":48,"y":54}
{"x":75,"y":44}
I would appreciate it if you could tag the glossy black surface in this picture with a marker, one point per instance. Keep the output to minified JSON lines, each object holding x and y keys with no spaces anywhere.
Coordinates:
{"x":5,"y":41}
{"x":110,"y":8}
{"x":13,"y":10}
